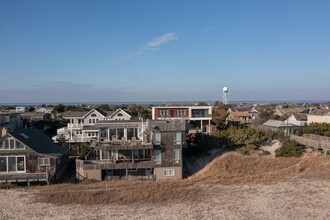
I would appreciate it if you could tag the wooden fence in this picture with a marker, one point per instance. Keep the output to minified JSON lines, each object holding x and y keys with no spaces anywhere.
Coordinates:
{"x":311,"y":140}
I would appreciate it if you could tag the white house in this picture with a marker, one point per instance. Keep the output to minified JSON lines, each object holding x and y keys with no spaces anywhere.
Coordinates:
{"x":319,"y":116}
{"x":80,"y":127}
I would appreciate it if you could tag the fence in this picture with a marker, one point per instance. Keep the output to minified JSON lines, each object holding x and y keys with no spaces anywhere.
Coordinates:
{"x":311,"y":140}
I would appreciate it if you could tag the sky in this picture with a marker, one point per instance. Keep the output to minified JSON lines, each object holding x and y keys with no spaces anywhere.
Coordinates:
{"x":152,"y":50}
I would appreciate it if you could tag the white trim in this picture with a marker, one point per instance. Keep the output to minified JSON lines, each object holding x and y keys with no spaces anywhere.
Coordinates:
{"x":117,"y":111}
{"x":7,"y":164}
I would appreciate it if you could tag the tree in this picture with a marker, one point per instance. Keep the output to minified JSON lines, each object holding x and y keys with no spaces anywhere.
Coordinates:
{"x":316,"y":128}
{"x":289,"y":149}
{"x":59,"y":108}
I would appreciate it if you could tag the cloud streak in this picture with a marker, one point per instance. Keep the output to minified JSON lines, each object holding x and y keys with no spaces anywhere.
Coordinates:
{"x":152,"y":45}
{"x":157,"y":41}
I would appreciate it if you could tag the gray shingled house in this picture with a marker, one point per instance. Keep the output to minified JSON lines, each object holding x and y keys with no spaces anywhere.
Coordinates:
{"x":28,"y":155}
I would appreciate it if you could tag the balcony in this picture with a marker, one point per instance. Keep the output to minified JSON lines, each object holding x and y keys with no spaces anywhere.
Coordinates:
{"x":74,"y":126}
{"x":113,"y":164}
{"x":122,"y":144}
{"x":23,"y":177}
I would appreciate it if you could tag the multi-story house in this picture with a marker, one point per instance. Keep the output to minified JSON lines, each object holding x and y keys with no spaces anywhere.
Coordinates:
{"x":28,"y":155}
{"x":135,"y":149}
{"x":199,"y":117}
{"x":80,"y":127}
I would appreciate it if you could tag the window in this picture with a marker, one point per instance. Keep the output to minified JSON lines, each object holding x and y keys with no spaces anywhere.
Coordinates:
{"x":163,"y":112}
{"x":19,"y":145}
{"x":12,"y":164}
{"x":157,"y":157}
{"x":119,"y":115}
{"x":11,"y":144}
{"x":3,"y":164}
{"x":90,"y":121}
{"x":169,"y":172}
{"x":177,"y":155}
{"x":177,"y":137}
{"x":105,"y":154}
{"x":93,"y":115}
{"x":156,"y":138}
{"x":43,"y":162}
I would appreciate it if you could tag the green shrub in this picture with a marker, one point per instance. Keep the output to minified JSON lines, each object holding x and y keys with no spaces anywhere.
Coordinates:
{"x":289,"y":149}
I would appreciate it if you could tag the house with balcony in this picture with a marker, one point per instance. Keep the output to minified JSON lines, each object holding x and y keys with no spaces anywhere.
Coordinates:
{"x":80,"y":127}
{"x":199,"y":117}
{"x":28,"y":155}
{"x":135,"y":150}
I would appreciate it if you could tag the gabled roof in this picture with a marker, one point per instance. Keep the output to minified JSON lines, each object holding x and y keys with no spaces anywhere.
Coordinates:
{"x":38,"y":141}
{"x":321,"y":112}
{"x":117,"y":111}
{"x":300,"y":117}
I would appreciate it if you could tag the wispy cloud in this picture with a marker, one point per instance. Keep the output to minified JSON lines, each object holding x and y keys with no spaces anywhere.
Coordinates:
{"x":209,"y":28}
{"x":157,"y":41}
{"x":152,"y":45}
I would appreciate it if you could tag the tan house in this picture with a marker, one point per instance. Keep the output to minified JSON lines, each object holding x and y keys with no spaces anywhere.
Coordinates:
{"x":319,"y":116}
{"x":136,"y":150}
{"x":239,"y":118}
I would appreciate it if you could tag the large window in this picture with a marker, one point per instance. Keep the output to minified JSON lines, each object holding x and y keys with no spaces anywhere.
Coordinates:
{"x":177,"y":155}
{"x":157,"y":138}
{"x":131,"y":132}
{"x":12,"y":164}
{"x":157,"y":157}
{"x":43,"y":162}
{"x":199,"y":113}
{"x":163,"y":112}
{"x":11,"y":144}
{"x":177,"y":137}
{"x":105,"y":154}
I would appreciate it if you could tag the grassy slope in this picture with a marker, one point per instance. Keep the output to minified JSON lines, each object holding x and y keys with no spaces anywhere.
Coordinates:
{"x":230,"y":168}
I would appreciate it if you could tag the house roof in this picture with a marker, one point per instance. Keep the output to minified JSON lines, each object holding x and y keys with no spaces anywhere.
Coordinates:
{"x":275,"y":123}
{"x":38,"y":141}
{"x":236,"y":116}
{"x":74,"y":114}
{"x":34,"y":114}
{"x":300,"y":117}
{"x":278,"y":124}
{"x":321,"y":112}
{"x":83,"y":114}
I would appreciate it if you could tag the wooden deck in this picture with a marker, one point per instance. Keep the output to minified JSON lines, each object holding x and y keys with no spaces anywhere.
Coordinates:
{"x":23,"y":177}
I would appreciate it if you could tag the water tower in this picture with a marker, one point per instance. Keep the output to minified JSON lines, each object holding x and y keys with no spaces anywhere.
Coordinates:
{"x":225,"y":95}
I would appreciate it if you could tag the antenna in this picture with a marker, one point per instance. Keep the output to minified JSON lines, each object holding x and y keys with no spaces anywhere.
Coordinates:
{"x":225,"y":95}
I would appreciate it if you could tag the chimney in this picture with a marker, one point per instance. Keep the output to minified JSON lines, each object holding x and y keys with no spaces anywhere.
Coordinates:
{"x":3,"y":132}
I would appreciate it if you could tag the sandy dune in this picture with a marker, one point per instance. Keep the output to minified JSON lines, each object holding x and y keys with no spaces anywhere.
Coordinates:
{"x":233,"y":187}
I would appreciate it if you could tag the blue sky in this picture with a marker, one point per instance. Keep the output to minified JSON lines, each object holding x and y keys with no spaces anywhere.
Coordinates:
{"x":110,"y":51}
